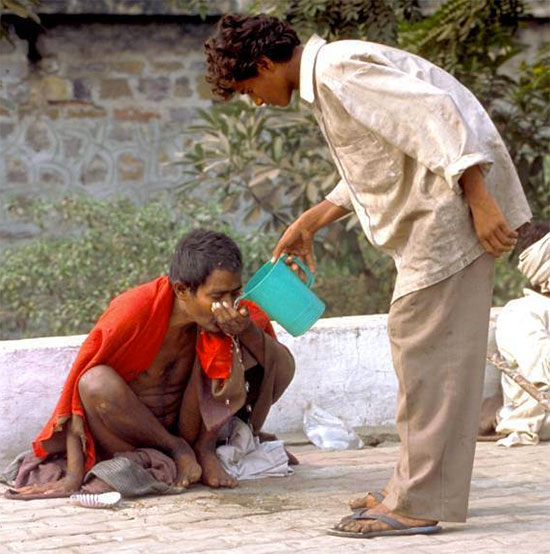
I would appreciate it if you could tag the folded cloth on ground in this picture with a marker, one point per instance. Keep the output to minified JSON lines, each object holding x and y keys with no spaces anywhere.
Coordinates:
{"x":245,"y":457}
{"x":140,"y":472}
{"x":9,"y":473}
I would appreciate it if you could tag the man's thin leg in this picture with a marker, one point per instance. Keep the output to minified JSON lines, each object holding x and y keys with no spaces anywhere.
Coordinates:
{"x":192,"y":429}
{"x":259,"y":402}
{"x":213,"y":474}
{"x":120,"y":422}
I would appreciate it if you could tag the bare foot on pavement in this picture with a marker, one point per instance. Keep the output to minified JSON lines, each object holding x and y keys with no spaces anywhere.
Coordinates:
{"x":213,"y":474}
{"x":188,"y":470}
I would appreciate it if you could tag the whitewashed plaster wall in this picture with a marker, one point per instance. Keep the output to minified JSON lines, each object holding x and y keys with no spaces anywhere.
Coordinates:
{"x":342,"y":364}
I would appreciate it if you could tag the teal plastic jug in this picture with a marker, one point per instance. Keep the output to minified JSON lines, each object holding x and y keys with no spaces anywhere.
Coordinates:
{"x":284,"y":297}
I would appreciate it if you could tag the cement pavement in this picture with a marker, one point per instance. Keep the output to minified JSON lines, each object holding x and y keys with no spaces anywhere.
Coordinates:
{"x":509,"y":512}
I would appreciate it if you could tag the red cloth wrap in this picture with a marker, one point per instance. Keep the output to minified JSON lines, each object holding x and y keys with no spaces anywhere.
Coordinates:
{"x":127,"y":337}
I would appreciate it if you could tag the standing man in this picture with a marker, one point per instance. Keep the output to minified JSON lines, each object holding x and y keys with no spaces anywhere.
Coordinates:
{"x":429,"y":177}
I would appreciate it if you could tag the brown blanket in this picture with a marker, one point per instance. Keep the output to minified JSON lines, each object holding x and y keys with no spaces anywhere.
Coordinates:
{"x":140,"y":472}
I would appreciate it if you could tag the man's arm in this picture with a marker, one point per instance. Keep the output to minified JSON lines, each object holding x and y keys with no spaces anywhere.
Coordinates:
{"x":263,"y":347}
{"x":258,"y":343}
{"x":297,"y":240}
{"x":491,"y":227}
{"x":75,"y":460}
{"x":73,"y":478}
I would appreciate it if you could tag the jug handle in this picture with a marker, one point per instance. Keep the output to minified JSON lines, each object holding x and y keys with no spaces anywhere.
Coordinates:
{"x":305,"y":269}
{"x":298,"y":262}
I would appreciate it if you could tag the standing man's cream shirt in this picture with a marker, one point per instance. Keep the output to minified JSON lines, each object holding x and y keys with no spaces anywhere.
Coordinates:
{"x":401,"y":132}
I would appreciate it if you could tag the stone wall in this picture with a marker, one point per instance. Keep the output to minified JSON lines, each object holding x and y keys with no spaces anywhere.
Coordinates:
{"x":104,"y":108}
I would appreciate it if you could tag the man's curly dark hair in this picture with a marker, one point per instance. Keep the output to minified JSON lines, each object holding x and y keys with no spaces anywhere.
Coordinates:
{"x":232,"y":54}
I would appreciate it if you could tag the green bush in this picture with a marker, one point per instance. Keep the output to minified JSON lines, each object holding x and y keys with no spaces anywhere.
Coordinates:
{"x":347,"y":291}
{"x":509,"y":282}
{"x":374,"y":20}
{"x":58,"y":285}
{"x":92,"y":250}
{"x":523,"y":118}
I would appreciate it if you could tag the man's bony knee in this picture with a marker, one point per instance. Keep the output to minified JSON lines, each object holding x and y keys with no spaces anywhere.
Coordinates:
{"x":289,"y":376}
{"x":95,"y":385}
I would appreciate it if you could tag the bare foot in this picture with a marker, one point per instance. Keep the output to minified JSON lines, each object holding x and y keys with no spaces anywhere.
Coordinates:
{"x":213,"y":474}
{"x":370,"y":500}
{"x":371,"y":525}
{"x":188,"y":470}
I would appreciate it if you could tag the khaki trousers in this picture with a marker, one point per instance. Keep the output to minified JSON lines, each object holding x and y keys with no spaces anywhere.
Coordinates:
{"x":438,"y":338}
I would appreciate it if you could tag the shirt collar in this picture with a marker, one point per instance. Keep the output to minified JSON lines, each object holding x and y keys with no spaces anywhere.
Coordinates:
{"x":307,"y":65}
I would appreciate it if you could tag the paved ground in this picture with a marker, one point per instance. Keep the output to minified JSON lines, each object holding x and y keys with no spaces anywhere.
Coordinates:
{"x":509,"y":511}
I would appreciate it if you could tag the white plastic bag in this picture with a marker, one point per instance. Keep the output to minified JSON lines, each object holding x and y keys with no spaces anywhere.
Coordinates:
{"x":329,"y":432}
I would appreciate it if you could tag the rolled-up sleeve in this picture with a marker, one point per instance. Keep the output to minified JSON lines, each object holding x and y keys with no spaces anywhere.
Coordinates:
{"x":340,"y":196}
{"x":412,"y":115}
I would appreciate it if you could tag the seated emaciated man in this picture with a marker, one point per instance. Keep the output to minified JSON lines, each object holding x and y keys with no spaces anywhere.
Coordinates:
{"x":166,"y":366}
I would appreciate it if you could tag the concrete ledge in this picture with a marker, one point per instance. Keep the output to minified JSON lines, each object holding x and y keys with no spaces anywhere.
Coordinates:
{"x":343,"y":365}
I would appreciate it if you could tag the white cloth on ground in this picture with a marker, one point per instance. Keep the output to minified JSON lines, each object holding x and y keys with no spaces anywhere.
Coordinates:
{"x":245,"y":457}
{"x":523,"y":339}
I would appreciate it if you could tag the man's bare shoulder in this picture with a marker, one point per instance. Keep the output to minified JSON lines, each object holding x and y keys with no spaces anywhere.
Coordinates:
{"x":130,"y":307}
